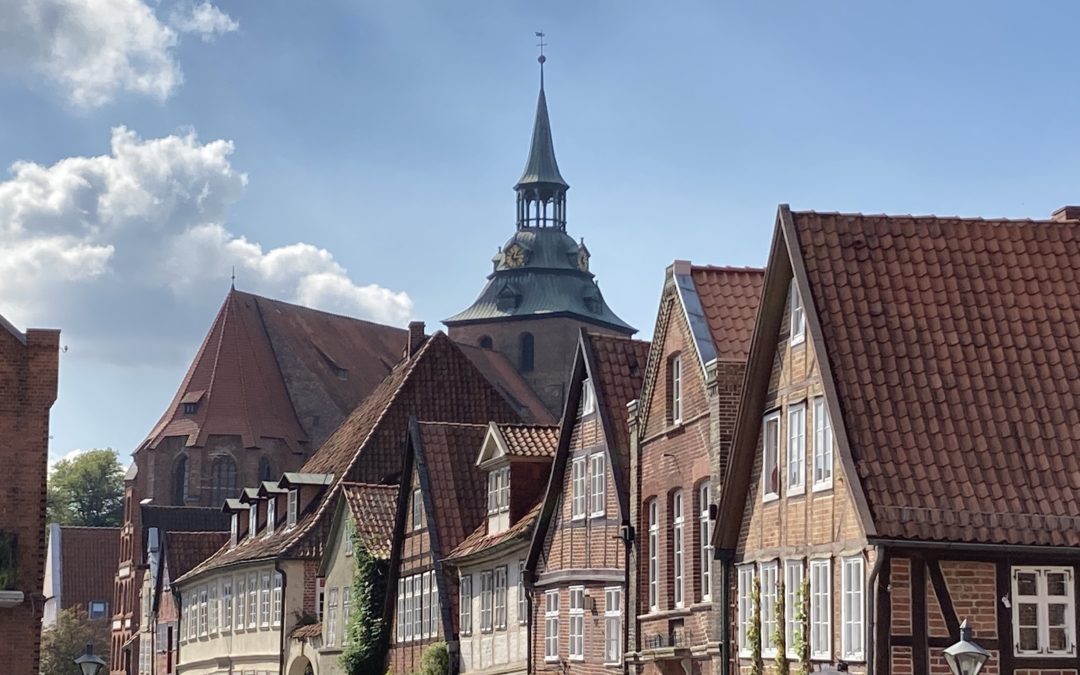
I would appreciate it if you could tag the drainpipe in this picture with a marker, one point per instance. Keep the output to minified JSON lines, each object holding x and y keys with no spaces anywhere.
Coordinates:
{"x":871,"y":606}
{"x":281,"y":620}
{"x":725,"y":627}
{"x":527,"y":587}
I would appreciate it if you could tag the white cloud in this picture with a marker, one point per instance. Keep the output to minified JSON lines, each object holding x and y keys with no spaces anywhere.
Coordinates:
{"x":94,"y":49}
{"x":118,"y":249}
{"x":205,"y":20}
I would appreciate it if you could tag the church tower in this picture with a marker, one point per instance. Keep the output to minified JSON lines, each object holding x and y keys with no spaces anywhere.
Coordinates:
{"x":540,"y":293}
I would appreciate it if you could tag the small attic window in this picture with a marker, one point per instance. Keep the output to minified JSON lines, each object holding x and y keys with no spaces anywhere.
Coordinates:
{"x":798,"y":315}
{"x":190,"y":402}
{"x":588,"y":398}
{"x":190,"y":408}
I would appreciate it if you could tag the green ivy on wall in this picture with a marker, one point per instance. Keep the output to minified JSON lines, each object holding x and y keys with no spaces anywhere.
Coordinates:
{"x":780,"y":634}
{"x":753,"y":631}
{"x":366,"y":634}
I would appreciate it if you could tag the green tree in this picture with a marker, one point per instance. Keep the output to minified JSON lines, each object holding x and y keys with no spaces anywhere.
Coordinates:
{"x":87,"y":490}
{"x":65,"y":641}
{"x":435,"y":660}
{"x":366,"y":635}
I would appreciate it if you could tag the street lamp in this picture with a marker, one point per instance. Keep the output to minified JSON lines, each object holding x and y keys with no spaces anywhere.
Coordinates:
{"x":965,"y":657}
{"x":88,"y":663}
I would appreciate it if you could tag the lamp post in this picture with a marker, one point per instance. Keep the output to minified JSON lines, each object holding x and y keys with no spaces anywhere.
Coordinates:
{"x":89,"y":663}
{"x":965,"y":657}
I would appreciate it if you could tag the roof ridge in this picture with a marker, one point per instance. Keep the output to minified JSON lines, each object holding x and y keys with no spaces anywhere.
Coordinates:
{"x":970,"y":219}
{"x":381,"y":486}
{"x":726,"y":268}
{"x":451,"y":424}
{"x":295,"y":305}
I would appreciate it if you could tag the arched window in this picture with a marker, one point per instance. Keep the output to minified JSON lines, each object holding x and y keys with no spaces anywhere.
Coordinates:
{"x":266,"y":470}
{"x":222,"y":480}
{"x":525,"y":362}
{"x":180,"y":481}
{"x":485,"y":342}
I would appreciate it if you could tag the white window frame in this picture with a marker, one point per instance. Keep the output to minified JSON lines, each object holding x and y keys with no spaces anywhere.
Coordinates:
{"x":823,"y":446}
{"x":275,"y":603}
{"x":465,"y":605}
{"x":798,"y":315}
{"x":410,"y":604}
{"x":226,"y":605}
{"x":415,"y":515}
{"x":577,"y":623}
{"x":487,"y":600}
{"x":234,"y":529}
{"x":500,"y":597}
{"x":214,"y":609}
{"x":746,"y":606}
{"x":425,"y":605}
{"x":499,"y":491}
{"x":433,"y":602}
{"x":793,"y":576}
{"x":705,"y":531}
{"x":654,"y":554}
{"x":676,"y":389}
{"x":292,"y":508}
{"x":203,"y":613}
{"x":1042,"y":601}
{"x":820,"y":618}
{"x":331,"y":617}
{"x":522,"y":602}
{"x":264,"y":600}
{"x":853,"y":609}
{"x":253,"y":520}
{"x":678,"y":548}
{"x":612,"y":625}
{"x":796,"y":449}
{"x":577,"y":488}
{"x":271,"y":515}
{"x":399,"y":633}
{"x":588,"y":398}
{"x":551,"y":626}
{"x":597,"y":485}
{"x":770,"y":431}
{"x":240,"y":602}
{"x":346,"y":610}
{"x":770,"y":573}
{"x":419,"y":625}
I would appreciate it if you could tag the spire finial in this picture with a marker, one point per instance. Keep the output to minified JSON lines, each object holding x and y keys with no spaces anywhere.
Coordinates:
{"x":541,"y":59}
{"x":232,"y":284}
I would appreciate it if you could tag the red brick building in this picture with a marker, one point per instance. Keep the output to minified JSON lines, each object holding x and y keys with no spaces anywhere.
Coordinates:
{"x":577,"y":562}
{"x":908,"y":446}
{"x":681,"y":433}
{"x":29,"y":364}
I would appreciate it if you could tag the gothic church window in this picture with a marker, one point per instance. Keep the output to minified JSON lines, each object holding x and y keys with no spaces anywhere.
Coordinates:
{"x":222,"y":480}
{"x":266,"y":470}
{"x":180,"y":481}
{"x":485,"y":342}
{"x":526,"y":361}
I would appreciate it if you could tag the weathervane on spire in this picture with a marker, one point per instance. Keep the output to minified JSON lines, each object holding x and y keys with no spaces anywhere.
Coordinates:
{"x":541,"y":59}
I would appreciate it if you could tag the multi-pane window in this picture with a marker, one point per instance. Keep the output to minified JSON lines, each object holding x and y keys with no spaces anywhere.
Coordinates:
{"x":522,"y":603}
{"x":577,"y":488}
{"x":465,"y":607}
{"x":500,"y":598}
{"x":796,"y":449}
{"x":820,"y":610}
{"x":798,"y":316}
{"x":275,"y":611}
{"x":768,"y":608}
{"x":577,"y":623}
{"x":346,"y":610}
{"x":252,"y":601}
{"x":588,"y":398}
{"x":676,"y":388}
{"x":597,"y":496}
{"x":499,"y":490}
{"x":654,"y":555}
{"x":424,"y":615}
{"x":746,"y":609}
{"x":407,"y":633}
{"x":419,"y":605}
{"x":203,"y":613}
{"x":99,"y":609}
{"x":271,"y":515}
{"x":1043,"y":611}
{"x":793,"y":578}
{"x":613,"y":625}
{"x":433,"y":602}
{"x":823,"y":446}
{"x":415,"y":503}
{"x":677,"y":548}
{"x":399,"y":633}
{"x":292,"y":508}
{"x":551,"y":625}
{"x":705,"y":527}
{"x":239,"y":603}
{"x":851,"y":611}
{"x":331,"y":617}
{"x":227,"y":605}
{"x":486,"y":593}
{"x":214,"y":609}
{"x":770,"y":460}
{"x":234,"y":529}
{"x":264,"y":600}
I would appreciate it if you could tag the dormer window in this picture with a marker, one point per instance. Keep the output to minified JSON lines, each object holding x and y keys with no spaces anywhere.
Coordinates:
{"x":234,"y":529}
{"x":253,"y":519}
{"x":499,"y":491}
{"x":588,"y":398}
{"x":293,"y":507}
{"x":798,"y":316}
{"x":190,"y":408}
{"x":271,"y":515}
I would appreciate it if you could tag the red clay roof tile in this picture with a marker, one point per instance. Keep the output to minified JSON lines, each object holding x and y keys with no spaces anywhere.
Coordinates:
{"x":88,"y":564}
{"x":372,"y":508}
{"x":530,"y":440}
{"x":729,"y":297}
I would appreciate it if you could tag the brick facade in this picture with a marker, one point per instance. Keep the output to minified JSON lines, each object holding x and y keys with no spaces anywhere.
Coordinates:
{"x":28,"y":379}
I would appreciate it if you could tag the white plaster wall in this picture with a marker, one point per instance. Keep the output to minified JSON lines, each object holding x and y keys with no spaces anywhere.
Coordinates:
{"x":500,"y":651}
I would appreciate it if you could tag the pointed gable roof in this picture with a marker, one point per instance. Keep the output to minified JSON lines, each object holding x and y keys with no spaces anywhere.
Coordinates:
{"x":951,"y":378}
{"x":372,"y":508}
{"x":266,"y":368}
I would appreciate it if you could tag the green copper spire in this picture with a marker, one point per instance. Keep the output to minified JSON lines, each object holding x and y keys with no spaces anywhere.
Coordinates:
{"x":541,"y":166}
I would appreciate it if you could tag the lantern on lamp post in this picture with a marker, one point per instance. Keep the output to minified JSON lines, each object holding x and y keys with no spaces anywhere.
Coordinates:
{"x":965,"y":657}
{"x":89,"y":663}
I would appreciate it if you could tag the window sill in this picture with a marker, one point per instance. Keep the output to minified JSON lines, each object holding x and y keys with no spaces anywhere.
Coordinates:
{"x":770,"y":498}
{"x":796,"y":492}
{"x":577,"y":518}
{"x":599,"y":514}
{"x":798,"y":340}
{"x":551,"y":659}
{"x":577,"y":659}
{"x":822,"y":487}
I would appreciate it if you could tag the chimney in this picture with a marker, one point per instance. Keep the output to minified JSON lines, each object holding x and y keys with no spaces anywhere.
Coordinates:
{"x":416,"y":338}
{"x":1066,"y":213}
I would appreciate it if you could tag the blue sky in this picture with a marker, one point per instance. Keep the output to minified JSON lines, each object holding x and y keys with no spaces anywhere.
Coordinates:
{"x":376,"y":143}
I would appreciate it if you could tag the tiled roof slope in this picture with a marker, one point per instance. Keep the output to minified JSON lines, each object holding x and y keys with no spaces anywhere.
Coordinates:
{"x":268,"y":369}
{"x":530,"y":440}
{"x":372,"y":508}
{"x":479,"y":540}
{"x":618,"y":370}
{"x":438,"y":382}
{"x":446,"y":464}
{"x":88,"y":564}
{"x":185,"y":550}
{"x":954,"y":353}
{"x":729,"y":298}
